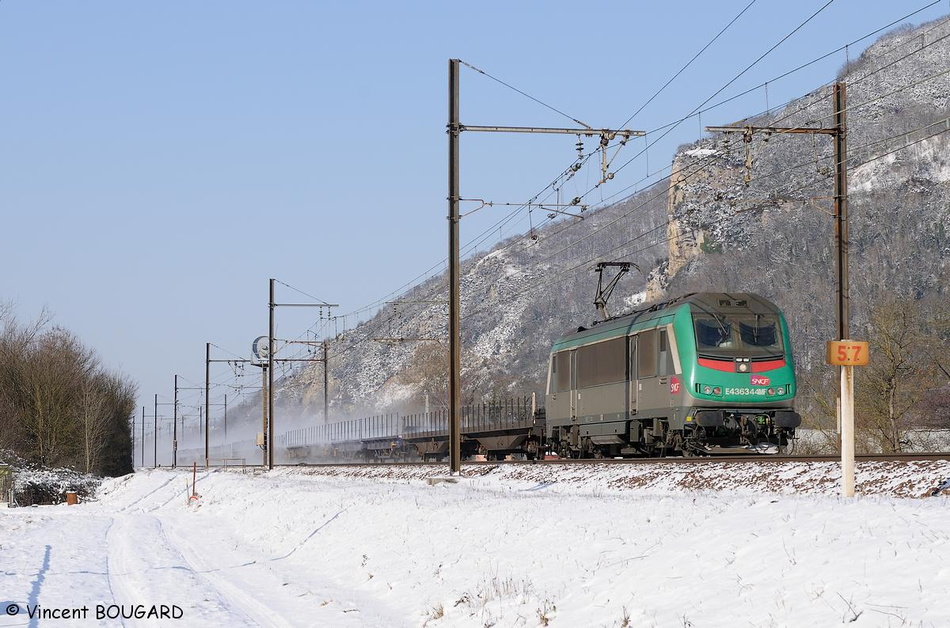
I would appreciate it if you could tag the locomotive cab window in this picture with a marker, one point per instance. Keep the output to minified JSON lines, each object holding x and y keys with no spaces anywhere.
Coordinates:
{"x":713,"y":333}
{"x":758,"y":334}
{"x":746,"y":334}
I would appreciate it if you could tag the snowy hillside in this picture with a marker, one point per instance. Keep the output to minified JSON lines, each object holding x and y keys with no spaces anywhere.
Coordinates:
{"x":607,"y":545}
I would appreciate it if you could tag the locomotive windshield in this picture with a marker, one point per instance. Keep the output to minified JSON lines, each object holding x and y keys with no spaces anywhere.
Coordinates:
{"x":752,"y":335}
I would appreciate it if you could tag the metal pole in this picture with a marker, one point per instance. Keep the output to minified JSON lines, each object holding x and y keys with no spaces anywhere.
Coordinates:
{"x":264,"y":414}
{"x":207,"y":389}
{"x":143,"y":437}
{"x":846,"y":373}
{"x":155,"y":434}
{"x":175,"y":428}
{"x":270,"y":381}
{"x":841,"y":208}
{"x":225,"y":418}
{"x":326,"y":383}
{"x":455,"y":343}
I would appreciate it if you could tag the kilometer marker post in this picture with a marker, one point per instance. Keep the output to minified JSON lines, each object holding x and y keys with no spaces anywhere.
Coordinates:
{"x":847,"y":354}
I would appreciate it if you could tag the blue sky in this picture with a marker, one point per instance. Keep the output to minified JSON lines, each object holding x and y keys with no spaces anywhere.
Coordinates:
{"x":159,"y":162}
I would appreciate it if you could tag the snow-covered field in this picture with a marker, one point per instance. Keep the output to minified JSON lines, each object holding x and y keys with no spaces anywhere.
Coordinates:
{"x":755,"y":544}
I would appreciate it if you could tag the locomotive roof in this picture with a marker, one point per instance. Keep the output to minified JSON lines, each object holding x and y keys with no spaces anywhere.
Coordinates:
{"x":720,"y":302}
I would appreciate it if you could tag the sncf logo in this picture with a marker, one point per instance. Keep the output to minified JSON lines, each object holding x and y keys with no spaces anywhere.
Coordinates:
{"x":760,"y":380}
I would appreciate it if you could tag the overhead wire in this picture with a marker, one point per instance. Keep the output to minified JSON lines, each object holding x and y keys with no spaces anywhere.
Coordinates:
{"x":466,"y":249}
{"x":804,"y":65}
{"x":528,"y":96}
{"x":688,"y":63}
{"x":943,"y":122}
{"x":740,"y":74}
{"x":675,"y":123}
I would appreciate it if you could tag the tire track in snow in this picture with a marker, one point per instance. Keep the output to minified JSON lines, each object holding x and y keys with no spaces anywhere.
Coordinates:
{"x":110,"y":581}
{"x":141,"y":503}
{"x":146,"y":569}
{"x":244,"y":589}
{"x":294,"y":594}
{"x":139,"y":500}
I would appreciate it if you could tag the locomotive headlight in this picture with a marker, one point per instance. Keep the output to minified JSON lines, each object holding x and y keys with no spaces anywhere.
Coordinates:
{"x":708,"y":389}
{"x":743,"y":365}
{"x":770,"y":392}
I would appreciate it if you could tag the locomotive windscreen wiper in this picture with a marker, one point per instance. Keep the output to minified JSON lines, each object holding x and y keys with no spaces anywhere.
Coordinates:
{"x":758,"y":335}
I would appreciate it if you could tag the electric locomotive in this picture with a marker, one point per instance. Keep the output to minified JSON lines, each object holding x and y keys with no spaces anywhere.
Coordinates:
{"x":706,"y":373}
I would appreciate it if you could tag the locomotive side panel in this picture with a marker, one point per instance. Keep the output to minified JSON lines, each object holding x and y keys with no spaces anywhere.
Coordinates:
{"x":601,"y":381}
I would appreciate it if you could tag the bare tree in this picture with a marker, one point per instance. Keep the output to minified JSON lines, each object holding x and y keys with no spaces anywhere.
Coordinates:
{"x":52,"y":379}
{"x":58,"y":407}
{"x":92,"y":405}
{"x":890,"y":389}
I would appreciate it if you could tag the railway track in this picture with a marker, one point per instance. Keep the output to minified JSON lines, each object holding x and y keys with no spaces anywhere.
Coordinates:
{"x":901,"y":457}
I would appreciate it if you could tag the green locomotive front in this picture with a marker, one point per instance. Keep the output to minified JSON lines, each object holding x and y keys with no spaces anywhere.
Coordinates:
{"x":702,"y":374}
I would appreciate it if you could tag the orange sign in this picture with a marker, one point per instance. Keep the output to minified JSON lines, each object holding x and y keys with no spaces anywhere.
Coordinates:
{"x":848,"y":353}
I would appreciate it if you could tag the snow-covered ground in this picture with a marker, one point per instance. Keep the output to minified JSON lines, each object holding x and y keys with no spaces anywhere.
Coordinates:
{"x":755,"y":544}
